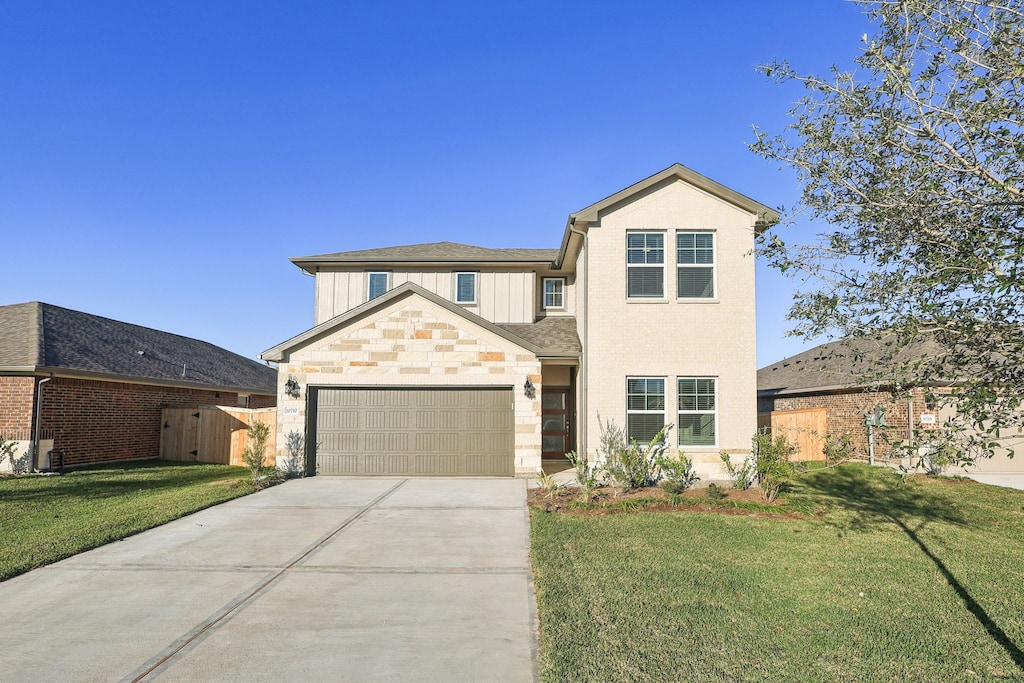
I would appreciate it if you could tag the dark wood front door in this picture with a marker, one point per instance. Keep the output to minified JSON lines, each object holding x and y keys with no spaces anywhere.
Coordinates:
{"x":555,"y":415}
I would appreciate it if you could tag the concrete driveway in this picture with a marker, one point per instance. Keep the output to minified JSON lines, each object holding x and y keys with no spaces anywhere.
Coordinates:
{"x":1010,"y":481}
{"x":321,"y":579}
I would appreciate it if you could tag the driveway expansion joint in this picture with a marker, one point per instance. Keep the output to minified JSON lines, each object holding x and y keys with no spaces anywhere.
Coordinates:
{"x":222,"y":616}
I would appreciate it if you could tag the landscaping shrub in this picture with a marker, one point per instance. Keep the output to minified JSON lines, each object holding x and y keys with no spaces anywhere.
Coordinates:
{"x":677,"y":473}
{"x":295,"y":444}
{"x":586,"y":474}
{"x":625,"y":463}
{"x":771,"y":457}
{"x":838,"y":448}
{"x":7,"y":453}
{"x":715,"y":492}
{"x":742,"y":476}
{"x":547,"y":482}
{"x":252,"y":456}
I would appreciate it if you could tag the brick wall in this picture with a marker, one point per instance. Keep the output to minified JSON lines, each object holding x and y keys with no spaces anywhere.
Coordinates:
{"x":95,"y":421}
{"x":845,"y":415}
{"x":16,"y":398}
{"x":262,"y":400}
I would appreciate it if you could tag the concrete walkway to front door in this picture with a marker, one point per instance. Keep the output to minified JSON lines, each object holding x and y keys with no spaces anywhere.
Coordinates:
{"x":321,"y":579}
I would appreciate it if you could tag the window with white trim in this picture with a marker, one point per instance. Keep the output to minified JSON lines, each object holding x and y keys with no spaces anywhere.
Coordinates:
{"x":376,"y":284}
{"x":695,"y":265}
{"x":554,"y":292}
{"x":645,"y":407}
{"x":698,"y":411}
{"x":465,"y":288}
{"x":645,"y":265}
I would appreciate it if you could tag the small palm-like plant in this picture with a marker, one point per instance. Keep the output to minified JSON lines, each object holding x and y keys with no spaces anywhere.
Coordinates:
{"x":586,"y":473}
{"x":547,"y":482}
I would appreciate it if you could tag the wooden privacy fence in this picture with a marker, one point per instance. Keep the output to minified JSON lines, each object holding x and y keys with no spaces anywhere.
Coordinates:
{"x":213,"y":434}
{"x":806,"y":428}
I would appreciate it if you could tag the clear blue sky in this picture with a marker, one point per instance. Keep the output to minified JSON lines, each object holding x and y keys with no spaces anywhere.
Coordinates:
{"x":159,"y":162}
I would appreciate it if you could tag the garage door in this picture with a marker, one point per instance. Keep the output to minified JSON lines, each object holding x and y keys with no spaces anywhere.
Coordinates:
{"x":408,"y":431}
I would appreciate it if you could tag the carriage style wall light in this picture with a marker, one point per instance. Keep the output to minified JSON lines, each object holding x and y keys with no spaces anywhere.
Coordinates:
{"x":528,"y":389}
{"x":291,"y":387}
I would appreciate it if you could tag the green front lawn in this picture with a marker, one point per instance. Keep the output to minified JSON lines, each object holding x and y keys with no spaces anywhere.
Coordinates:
{"x":45,"y":519}
{"x":919,"y":581}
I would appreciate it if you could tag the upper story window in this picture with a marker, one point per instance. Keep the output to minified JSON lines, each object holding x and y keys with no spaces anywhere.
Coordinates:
{"x":695,"y":265}
{"x":645,"y":265}
{"x":465,"y":288}
{"x":645,"y":407}
{"x":376,"y":284}
{"x":554,"y":293}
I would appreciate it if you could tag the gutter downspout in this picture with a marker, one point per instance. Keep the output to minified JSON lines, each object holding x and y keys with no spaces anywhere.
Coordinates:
{"x":583,"y":390}
{"x":39,"y":419}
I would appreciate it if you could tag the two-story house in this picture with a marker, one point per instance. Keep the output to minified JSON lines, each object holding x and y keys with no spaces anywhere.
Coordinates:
{"x":449,"y":359}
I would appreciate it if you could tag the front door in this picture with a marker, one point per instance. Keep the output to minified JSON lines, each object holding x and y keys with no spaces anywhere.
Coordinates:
{"x":555,"y":420}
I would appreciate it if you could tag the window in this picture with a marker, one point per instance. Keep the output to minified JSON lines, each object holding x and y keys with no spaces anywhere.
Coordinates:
{"x":554,"y":292}
{"x":695,"y":265}
{"x":697,"y":411}
{"x":465,"y":288}
{"x":645,"y":407}
{"x":645,"y":265}
{"x":377,"y":284}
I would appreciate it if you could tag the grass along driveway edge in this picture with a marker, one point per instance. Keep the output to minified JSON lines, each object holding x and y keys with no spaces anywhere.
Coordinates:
{"x":44,"y":519}
{"x":893,"y":580}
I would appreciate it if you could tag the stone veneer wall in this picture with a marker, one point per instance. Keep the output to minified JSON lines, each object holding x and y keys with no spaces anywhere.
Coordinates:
{"x":413,"y":342}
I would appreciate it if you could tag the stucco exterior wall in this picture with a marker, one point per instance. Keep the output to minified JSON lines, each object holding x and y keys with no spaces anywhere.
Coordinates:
{"x":668,"y":337}
{"x":413,"y":342}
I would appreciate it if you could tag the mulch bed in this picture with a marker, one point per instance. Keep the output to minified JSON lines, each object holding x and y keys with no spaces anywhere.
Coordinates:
{"x":609,"y":501}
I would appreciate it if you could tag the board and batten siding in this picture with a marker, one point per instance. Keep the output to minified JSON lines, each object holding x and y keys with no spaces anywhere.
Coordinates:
{"x":502,"y":296}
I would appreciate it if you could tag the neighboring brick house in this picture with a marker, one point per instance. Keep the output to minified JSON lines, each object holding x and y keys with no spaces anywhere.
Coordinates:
{"x":442,"y":358}
{"x":847,"y":380}
{"x":103,"y":383}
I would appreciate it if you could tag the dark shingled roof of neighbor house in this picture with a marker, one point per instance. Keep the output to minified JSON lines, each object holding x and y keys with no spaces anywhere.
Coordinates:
{"x":37,"y":336}
{"x":842,"y":364}
{"x":441,"y":252}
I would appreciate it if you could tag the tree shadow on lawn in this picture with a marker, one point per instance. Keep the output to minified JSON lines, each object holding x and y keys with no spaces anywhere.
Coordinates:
{"x":872,"y":499}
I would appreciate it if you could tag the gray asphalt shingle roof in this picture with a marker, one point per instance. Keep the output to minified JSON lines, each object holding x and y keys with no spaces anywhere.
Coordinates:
{"x":843,"y":364}
{"x":39,"y":335}
{"x":554,"y":335}
{"x":443,"y":252}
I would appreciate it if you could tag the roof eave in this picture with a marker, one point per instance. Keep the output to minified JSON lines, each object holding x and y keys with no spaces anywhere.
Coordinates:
{"x":19,"y":369}
{"x":44,"y":370}
{"x":310,"y":265}
{"x":766,"y":215}
{"x":277,"y":353}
